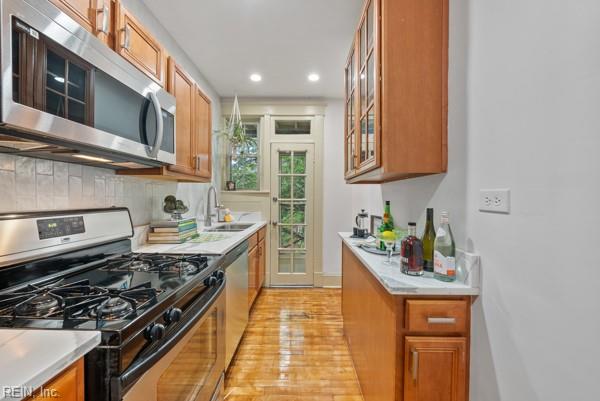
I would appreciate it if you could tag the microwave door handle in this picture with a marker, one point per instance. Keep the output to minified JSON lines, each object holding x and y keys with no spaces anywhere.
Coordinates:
{"x":159,"y":126}
{"x":120,"y":384}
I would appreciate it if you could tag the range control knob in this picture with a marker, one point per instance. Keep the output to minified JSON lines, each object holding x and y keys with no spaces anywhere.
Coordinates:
{"x":210,"y":281}
{"x":220,"y":274}
{"x":172,"y":315}
{"x":155,"y":332}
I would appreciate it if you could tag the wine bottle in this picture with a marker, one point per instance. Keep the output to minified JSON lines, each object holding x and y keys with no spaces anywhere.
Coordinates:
{"x":387,"y":224}
{"x":428,"y":240}
{"x":411,"y":252}
{"x":444,"y":253}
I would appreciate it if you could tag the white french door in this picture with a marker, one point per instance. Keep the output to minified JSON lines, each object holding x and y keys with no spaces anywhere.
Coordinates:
{"x":292,"y":193}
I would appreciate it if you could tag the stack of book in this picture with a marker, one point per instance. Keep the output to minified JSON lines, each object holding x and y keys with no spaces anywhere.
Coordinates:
{"x":172,"y":231}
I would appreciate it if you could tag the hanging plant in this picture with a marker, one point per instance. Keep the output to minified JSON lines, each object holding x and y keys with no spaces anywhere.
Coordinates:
{"x":235,"y":132}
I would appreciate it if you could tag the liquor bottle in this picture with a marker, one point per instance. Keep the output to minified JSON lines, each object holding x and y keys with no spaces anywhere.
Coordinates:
{"x":444,"y":253}
{"x":428,"y":240}
{"x":387,"y":224}
{"x":411,"y":252}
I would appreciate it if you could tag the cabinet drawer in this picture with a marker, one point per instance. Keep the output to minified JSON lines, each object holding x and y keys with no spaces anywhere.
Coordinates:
{"x":436,"y":315}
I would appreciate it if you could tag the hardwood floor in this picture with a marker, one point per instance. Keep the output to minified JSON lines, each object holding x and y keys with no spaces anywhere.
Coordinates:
{"x":294,"y":349}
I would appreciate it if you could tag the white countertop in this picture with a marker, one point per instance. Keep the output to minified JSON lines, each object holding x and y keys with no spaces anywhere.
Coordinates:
{"x":221,"y":247}
{"x":31,"y":358}
{"x":398,"y":283}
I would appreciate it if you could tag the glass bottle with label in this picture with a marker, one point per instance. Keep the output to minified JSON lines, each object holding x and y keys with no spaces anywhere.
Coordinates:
{"x":411,"y":253}
{"x":387,"y":224}
{"x":444,"y":253}
{"x":428,"y":240}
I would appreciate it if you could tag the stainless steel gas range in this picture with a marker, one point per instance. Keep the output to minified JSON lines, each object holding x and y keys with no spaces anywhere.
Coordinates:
{"x":161,"y":316}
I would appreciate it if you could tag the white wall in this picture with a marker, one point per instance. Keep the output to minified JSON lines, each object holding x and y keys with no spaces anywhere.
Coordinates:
{"x":337,"y":205}
{"x":524,"y":96}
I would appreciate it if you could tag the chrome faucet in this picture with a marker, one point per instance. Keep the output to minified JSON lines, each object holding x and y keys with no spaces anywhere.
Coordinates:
{"x":207,"y":215}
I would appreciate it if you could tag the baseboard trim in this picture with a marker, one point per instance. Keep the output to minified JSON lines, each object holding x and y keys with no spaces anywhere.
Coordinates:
{"x":328,"y":281}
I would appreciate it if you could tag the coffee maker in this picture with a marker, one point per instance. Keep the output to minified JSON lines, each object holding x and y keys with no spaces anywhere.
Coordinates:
{"x":361,"y":230}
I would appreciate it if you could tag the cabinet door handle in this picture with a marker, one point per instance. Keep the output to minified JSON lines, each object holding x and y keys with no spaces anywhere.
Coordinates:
{"x":415,"y":364}
{"x":126,"y":37}
{"x":441,"y":320}
{"x":104,"y":11}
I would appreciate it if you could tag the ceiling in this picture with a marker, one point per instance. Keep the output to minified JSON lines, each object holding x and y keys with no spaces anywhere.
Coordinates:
{"x":282,"y":40}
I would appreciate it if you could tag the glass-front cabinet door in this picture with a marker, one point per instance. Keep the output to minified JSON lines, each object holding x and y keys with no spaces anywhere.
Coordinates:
{"x":350,"y":120}
{"x":368,"y":77}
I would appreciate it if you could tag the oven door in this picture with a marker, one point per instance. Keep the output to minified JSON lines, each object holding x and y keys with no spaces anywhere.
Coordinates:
{"x":192,"y":363}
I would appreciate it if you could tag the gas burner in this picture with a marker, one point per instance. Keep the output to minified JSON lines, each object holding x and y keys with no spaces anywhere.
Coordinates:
{"x":180,"y":267}
{"x":113,"y":308}
{"x":40,"y":305}
{"x":140,"y":266}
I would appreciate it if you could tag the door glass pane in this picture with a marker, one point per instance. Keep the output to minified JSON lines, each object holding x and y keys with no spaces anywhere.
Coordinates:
{"x":285,"y":262}
{"x":299,"y":187}
{"x":299,"y":213}
{"x":55,"y":103}
{"x":189,"y":371}
{"x":285,"y":187}
{"x":76,"y":111}
{"x":370,"y":79}
{"x":76,"y":82}
{"x":370,"y":25}
{"x":363,"y":91}
{"x":363,"y":140}
{"x":285,"y":236}
{"x":55,"y":67}
{"x":299,"y":233}
{"x":363,"y":42}
{"x":299,"y":262}
{"x":299,"y":163}
{"x":285,"y":212}
{"x":285,"y":163}
{"x":371,"y":133}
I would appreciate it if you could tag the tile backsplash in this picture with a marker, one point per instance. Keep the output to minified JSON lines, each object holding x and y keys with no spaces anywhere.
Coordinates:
{"x":36,"y":184}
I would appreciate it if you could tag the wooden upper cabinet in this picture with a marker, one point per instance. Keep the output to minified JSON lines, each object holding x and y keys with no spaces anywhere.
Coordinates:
{"x":202,"y":138}
{"x":136,"y":45}
{"x":435,"y":368}
{"x":181,"y":85}
{"x":97,"y":16}
{"x":82,"y":11}
{"x":396,"y":91}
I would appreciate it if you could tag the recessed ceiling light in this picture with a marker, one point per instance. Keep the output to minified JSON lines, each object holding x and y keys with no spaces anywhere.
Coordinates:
{"x":313,"y":77}
{"x":255,"y":78}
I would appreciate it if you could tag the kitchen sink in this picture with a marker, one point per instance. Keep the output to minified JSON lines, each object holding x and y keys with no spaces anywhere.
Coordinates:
{"x":235,"y":227}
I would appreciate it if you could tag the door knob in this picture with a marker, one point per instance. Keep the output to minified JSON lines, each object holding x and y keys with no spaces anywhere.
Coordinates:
{"x":274,"y":223}
{"x":275,"y":199}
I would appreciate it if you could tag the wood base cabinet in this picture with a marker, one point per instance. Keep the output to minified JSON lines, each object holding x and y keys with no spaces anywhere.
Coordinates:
{"x":404,"y":348}
{"x":256,"y":264}
{"x":66,"y":386}
{"x":396,"y":92}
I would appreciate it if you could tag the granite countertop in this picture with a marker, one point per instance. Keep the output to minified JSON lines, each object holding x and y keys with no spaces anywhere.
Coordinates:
{"x":229,"y":241}
{"x":30,"y":358}
{"x":397,"y":283}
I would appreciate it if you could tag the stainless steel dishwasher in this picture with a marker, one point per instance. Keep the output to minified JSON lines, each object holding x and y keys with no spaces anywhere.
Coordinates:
{"x":236,"y":307}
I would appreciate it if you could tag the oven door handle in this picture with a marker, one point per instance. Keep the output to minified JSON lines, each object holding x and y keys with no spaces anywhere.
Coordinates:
{"x":121,"y":383}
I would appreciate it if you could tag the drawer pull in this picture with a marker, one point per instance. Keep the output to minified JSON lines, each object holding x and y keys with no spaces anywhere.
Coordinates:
{"x":415,"y":364}
{"x":441,"y":320}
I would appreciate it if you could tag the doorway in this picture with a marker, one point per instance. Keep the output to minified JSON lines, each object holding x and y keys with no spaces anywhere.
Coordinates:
{"x":292,"y":214}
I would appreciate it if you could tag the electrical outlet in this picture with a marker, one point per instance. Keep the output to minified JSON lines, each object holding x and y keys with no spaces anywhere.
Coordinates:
{"x":494,"y":200}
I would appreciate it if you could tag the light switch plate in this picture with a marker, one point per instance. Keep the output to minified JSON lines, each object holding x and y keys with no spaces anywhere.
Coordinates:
{"x":494,"y":200}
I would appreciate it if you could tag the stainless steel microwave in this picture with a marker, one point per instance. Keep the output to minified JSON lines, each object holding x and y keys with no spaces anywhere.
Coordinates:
{"x":67,"y":96}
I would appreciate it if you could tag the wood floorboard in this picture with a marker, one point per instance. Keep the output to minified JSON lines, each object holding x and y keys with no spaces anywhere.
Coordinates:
{"x":294,"y":350}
